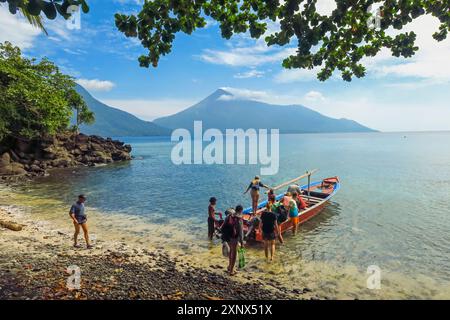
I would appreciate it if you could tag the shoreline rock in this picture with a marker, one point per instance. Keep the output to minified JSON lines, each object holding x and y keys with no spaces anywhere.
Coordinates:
{"x":10,"y":225}
{"x":31,"y":158}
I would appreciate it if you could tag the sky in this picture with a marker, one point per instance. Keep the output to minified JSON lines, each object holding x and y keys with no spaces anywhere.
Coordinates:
{"x":396,"y":95}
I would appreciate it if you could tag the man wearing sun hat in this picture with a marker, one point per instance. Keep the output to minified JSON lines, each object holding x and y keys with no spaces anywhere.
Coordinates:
{"x":78,"y":215}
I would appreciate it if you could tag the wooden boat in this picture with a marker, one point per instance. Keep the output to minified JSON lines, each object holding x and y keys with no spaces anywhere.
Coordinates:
{"x":316,"y":195}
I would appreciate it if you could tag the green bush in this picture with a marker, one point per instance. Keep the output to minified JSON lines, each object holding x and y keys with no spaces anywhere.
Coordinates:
{"x":36,"y":99}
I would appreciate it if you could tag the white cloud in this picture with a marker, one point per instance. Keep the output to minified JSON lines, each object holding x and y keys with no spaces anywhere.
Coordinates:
{"x":15,"y":29}
{"x":429,"y":65}
{"x":152,"y":108}
{"x":314,"y":96}
{"x":244,"y":51}
{"x":96,"y":85}
{"x":385,"y":115}
{"x":295,"y":75}
{"x":326,"y":7}
{"x":57,"y":29}
{"x":249,"y":74}
{"x":250,"y":56}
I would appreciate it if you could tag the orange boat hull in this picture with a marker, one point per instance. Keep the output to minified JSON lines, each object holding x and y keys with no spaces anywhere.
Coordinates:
{"x":327,"y":187}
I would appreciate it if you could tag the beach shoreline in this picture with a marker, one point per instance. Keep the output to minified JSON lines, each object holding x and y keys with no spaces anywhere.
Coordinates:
{"x":154,"y":256}
{"x":34,"y":265}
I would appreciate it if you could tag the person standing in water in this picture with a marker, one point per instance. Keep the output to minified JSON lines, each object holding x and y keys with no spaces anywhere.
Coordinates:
{"x":271,"y":231}
{"x":254,"y":187}
{"x":291,"y":207}
{"x":212,"y":217}
{"x":79,"y":218}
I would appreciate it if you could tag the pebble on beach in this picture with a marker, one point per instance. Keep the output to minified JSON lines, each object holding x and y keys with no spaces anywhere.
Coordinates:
{"x":40,"y":263}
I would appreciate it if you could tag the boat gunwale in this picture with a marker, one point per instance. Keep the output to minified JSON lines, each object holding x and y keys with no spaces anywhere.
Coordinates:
{"x":316,"y":206}
{"x":336,"y":188}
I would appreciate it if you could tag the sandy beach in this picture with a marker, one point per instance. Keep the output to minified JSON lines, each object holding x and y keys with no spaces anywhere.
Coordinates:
{"x":34,"y":264}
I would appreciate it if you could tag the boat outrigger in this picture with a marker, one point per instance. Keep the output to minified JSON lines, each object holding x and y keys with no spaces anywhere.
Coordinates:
{"x":316,"y":195}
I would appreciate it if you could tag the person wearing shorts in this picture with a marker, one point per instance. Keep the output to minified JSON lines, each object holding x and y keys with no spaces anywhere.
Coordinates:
{"x":79,"y":218}
{"x":293,"y":214}
{"x":270,"y":230}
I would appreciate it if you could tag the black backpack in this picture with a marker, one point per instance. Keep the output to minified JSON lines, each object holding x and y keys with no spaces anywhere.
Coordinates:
{"x":229,"y":228}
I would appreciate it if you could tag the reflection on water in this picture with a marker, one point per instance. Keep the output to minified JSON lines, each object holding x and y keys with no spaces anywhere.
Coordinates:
{"x":392,"y":210}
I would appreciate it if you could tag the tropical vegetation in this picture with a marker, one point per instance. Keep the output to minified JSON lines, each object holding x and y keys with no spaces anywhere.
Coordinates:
{"x":36,"y":98}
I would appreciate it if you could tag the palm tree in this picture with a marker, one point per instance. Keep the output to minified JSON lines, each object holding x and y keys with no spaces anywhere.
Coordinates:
{"x":35,"y":21}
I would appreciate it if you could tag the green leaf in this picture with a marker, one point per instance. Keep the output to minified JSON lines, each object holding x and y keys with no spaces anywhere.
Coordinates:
{"x":50,"y":10}
{"x":34,"y":7}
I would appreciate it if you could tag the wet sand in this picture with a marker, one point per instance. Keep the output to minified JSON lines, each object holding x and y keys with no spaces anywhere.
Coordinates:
{"x":34,"y":263}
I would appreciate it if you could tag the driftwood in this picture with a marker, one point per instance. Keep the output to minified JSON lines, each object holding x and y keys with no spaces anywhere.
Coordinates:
{"x":11,"y":225}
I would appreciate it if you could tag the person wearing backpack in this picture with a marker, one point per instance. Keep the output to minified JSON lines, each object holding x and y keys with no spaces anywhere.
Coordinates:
{"x":233,"y":233}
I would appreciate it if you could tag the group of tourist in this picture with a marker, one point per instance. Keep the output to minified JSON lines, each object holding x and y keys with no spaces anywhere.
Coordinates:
{"x":231,"y":228}
{"x":265,"y":220}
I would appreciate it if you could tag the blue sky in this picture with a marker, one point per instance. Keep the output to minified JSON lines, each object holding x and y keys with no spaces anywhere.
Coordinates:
{"x":397,"y":94}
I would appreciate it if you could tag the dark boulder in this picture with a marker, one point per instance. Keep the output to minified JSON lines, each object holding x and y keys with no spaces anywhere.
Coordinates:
{"x":34,"y":157}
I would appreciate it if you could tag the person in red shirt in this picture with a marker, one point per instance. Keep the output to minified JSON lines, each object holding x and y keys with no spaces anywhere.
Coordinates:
{"x":301,"y":204}
{"x":212,"y":217}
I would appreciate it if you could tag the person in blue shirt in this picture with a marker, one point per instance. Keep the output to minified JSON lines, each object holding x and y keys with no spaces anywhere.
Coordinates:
{"x":79,"y":218}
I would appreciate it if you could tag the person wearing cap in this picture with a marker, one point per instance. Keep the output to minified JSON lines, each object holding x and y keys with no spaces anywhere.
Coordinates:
{"x":78,"y":215}
{"x":294,"y":188}
{"x":254,"y":187}
{"x":233,"y":233}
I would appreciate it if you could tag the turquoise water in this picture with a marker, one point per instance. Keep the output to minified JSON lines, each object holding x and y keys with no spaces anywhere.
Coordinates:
{"x":393,"y":209}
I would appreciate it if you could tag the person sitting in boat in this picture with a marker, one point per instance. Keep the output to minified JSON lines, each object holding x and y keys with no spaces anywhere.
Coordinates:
{"x":294,"y":188}
{"x":301,"y":204}
{"x":212,"y":222}
{"x":254,"y":187}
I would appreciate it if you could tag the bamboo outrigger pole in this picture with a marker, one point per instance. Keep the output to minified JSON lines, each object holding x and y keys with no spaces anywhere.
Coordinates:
{"x":307,"y":174}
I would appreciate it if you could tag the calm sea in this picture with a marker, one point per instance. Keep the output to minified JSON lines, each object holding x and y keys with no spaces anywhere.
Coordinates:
{"x":393,"y":210}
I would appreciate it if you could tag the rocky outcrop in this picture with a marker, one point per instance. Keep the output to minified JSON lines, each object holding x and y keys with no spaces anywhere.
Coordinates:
{"x":35,"y":157}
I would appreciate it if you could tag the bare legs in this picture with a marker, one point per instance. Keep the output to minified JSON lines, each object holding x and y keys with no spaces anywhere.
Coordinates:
{"x":83,"y":226}
{"x":269,"y":249}
{"x":232,"y":257}
{"x":255,"y":199}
